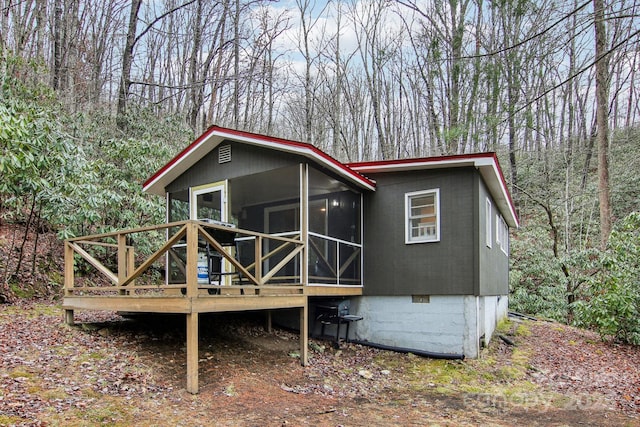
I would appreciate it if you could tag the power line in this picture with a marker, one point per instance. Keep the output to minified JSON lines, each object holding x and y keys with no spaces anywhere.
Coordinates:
{"x":574,"y":75}
{"x":415,"y":8}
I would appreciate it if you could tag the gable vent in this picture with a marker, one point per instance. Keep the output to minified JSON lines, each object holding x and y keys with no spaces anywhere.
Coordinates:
{"x":224,"y":154}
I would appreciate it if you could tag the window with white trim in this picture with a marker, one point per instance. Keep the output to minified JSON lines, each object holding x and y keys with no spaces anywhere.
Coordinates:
{"x":502,"y":234}
{"x":488,"y":221}
{"x":422,"y":216}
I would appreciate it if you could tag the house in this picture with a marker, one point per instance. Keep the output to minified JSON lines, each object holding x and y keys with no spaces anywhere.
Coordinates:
{"x":418,"y":246}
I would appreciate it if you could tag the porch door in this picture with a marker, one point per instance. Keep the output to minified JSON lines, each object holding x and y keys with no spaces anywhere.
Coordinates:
{"x":209,"y":201}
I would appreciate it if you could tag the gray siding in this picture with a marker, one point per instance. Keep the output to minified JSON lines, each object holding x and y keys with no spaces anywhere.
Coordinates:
{"x":447,"y":267}
{"x":245,"y":160}
{"x":493,"y":262}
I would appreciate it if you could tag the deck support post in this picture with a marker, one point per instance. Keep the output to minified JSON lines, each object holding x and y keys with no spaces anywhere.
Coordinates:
{"x":304,"y":333}
{"x":269,"y":324}
{"x":192,"y":353}
{"x":68,"y":317}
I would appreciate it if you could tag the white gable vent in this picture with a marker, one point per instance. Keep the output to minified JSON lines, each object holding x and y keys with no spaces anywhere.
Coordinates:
{"x":224,"y":154}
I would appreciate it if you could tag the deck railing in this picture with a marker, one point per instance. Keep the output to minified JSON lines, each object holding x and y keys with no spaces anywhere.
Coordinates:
{"x":122,"y":271}
{"x":334,"y":261}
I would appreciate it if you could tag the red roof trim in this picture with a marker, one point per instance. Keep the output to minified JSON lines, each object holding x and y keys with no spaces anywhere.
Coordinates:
{"x":382,"y":165}
{"x":297,"y":146}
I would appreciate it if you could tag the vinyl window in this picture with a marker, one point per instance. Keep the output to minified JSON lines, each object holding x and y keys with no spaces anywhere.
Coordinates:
{"x":422,"y":211}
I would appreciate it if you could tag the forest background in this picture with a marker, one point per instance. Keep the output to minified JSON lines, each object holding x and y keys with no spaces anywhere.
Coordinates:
{"x":98,"y":94}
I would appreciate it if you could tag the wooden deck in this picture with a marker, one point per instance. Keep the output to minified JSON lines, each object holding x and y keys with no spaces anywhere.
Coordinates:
{"x":115,"y":278}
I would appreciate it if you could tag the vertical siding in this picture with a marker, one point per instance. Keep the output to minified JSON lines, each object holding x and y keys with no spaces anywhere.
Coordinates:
{"x":493,"y":263}
{"x":446,"y":267}
{"x":245,"y":160}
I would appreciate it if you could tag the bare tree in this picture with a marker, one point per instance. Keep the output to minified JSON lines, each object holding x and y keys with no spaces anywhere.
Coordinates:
{"x":127,"y":59}
{"x":602,"y":114}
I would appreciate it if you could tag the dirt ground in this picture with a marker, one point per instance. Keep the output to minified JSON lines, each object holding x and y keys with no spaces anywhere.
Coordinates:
{"x":108,"y":370}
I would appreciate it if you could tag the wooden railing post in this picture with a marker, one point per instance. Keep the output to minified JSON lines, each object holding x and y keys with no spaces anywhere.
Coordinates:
{"x":258,"y":269}
{"x":192,"y":259}
{"x":131,"y":263}
{"x":68,"y":279}
{"x":122,"y":260}
{"x":69,"y":267}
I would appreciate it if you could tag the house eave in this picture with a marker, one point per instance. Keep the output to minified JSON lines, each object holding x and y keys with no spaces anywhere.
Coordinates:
{"x":486,"y":163}
{"x":215,"y":135}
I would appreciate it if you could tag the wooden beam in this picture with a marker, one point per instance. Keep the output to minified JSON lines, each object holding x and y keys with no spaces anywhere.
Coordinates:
{"x":192,"y":353}
{"x":333,"y":290}
{"x":68,"y":317}
{"x":220,"y":249}
{"x":282,"y":263}
{"x":192,"y":260}
{"x":258,"y":257}
{"x":131,"y":262}
{"x":130,"y":231}
{"x":122,"y":259}
{"x":69,"y":267}
{"x":269,"y":324}
{"x":318,"y":252}
{"x":222,"y":303}
{"x":349,"y":260}
{"x":304,"y":333}
{"x":157,"y":254}
{"x":94,"y":262}
{"x":136,"y":304}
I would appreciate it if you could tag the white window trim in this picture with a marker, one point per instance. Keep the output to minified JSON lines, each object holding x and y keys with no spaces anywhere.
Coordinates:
{"x":407,"y":216}
{"x":504,"y":235}
{"x":488,"y":223}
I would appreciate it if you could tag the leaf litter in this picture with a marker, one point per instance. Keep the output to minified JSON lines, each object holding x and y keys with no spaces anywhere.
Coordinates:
{"x":116,"y":371}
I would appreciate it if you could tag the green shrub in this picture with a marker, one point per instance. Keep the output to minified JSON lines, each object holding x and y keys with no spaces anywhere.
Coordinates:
{"x":612,"y":305}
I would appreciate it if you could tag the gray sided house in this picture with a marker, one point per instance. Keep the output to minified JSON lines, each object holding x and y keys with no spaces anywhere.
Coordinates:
{"x":420,"y":247}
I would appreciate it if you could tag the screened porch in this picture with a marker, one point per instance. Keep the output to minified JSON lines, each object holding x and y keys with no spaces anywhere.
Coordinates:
{"x":296,"y":202}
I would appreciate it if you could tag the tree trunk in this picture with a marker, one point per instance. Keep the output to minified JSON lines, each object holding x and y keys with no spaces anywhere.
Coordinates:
{"x":602,"y":107}
{"x":57,"y":45}
{"x":195,"y":87}
{"x":236,"y":65}
{"x":127,"y":59}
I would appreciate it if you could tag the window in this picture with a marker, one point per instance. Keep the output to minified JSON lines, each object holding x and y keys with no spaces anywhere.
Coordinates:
{"x":422,"y":222}
{"x":502,"y":234}
{"x":488,"y":222}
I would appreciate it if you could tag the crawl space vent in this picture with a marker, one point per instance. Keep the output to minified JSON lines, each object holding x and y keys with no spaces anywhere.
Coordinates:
{"x":224,"y":154}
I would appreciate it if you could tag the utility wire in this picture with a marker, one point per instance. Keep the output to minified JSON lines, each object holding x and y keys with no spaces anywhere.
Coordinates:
{"x":414,"y":7}
{"x":574,"y":75}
